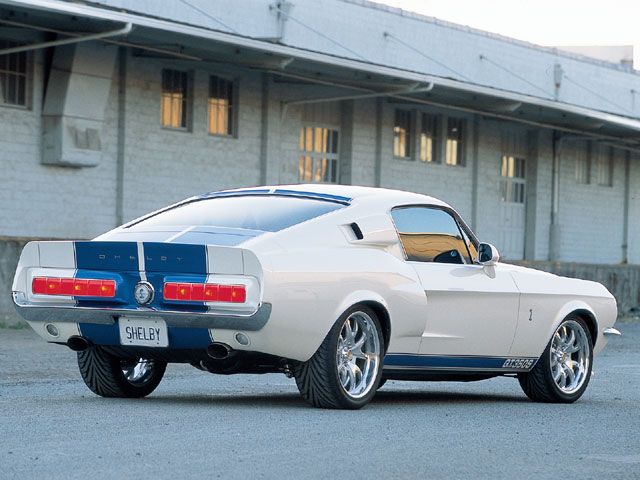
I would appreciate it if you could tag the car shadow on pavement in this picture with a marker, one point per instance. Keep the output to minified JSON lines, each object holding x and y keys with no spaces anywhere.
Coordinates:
{"x":293,"y":400}
{"x":431,"y":397}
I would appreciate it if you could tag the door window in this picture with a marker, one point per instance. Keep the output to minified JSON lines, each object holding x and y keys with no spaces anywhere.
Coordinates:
{"x":430,"y":235}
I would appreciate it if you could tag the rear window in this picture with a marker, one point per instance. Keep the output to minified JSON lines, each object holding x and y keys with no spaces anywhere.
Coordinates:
{"x":256,"y":212}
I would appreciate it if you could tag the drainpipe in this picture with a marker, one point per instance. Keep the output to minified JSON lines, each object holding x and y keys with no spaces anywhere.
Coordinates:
{"x":554,"y":230}
{"x":121,"y":135}
{"x":56,"y":43}
{"x":625,"y":219}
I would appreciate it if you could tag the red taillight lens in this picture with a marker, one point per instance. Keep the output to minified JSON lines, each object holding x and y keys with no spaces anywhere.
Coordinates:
{"x":205,"y":292}
{"x":78,"y":287}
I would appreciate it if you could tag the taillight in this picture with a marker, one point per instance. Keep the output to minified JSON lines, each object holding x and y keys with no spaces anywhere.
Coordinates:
{"x":205,"y":292}
{"x":77,"y":287}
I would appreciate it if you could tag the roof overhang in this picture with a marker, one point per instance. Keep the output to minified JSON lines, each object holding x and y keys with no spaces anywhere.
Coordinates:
{"x":194,"y":43}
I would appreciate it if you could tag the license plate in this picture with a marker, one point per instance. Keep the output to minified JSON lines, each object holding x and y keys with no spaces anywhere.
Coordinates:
{"x":146,"y":332}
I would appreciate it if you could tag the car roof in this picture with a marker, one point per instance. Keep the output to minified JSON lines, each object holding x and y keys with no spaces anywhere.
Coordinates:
{"x":342,"y":193}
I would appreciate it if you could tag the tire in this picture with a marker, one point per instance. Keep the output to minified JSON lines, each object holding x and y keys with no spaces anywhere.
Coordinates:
{"x":340,"y":374}
{"x":382,"y":382}
{"x":109,"y":376}
{"x":562,"y":373}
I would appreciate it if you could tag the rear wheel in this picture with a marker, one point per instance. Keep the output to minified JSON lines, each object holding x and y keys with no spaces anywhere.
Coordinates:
{"x":109,"y":376}
{"x":346,"y":369}
{"x":563,"y":372}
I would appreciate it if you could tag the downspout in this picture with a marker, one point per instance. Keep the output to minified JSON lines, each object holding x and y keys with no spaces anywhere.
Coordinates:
{"x":625,"y":219}
{"x":56,"y":43}
{"x":554,"y":230}
{"x":121,"y":136}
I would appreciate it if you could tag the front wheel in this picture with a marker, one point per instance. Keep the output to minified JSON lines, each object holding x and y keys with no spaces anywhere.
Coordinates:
{"x":563,"y":372}
{"x":109,"y":376}
{"x":346,"y":369}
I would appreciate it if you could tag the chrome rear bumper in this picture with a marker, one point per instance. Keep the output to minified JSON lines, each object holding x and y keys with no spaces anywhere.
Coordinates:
{"x":106,"y":316}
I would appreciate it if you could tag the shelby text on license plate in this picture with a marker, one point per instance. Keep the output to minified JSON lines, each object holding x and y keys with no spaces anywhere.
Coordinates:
{"x":143,"y":332}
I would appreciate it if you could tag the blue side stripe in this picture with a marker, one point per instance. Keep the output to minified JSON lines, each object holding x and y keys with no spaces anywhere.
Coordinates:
{"x":433,"y":361}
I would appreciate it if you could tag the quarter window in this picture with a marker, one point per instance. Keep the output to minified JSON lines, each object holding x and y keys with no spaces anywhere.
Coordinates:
{"x":402,"y":128}
{"x":454,"y":143}
{"x":221,"y":106}
{"x":319,"y":160}
{"x":13,"y":76}
{"x":175,"y":95}
{"x":430,"y":235}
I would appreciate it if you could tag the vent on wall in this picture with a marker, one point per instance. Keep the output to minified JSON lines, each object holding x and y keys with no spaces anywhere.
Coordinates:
{"x":76,"y":98}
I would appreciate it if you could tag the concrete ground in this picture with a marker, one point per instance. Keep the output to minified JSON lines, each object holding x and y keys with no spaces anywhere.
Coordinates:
{"x":198,"y":425}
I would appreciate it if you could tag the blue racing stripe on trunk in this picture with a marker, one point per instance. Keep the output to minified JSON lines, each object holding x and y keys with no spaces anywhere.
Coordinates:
{"x":175,"y":258}
{"x":116,"y":256}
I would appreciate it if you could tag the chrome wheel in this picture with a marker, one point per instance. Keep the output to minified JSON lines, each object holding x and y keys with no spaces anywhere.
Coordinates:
{"x":570,"y":356}
{"x":358,"y":354}
{"x":138,"y":372}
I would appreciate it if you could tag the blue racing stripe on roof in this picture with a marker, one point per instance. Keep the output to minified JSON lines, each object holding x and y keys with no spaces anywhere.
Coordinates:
{"x":314,"y":195}
{"x":234,"y":192}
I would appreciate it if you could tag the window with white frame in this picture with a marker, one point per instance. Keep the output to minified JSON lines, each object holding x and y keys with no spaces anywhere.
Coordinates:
{"x":13,"y":76}
{"x":602,"y":165}
{"x":319,"y":161}
{"x":221,"y":107}
{"x":175,"y":97}
{"x":402,"y":138}
{"x":454,"y":144}
{"x":428,"y":139}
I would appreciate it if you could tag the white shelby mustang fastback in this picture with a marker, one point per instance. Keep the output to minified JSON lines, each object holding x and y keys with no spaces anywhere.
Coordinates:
{"x":340,"y":287}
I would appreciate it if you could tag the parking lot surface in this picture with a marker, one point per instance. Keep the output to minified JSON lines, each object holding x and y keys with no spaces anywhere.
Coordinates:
{"x":199,"y":425}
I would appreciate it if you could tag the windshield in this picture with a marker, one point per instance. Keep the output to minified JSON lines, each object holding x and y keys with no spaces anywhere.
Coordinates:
{"x":267,"y":213}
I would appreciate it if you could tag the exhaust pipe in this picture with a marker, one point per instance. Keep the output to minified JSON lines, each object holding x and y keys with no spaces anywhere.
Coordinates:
{"x":77,"y":343}
{"x":219,"y":351}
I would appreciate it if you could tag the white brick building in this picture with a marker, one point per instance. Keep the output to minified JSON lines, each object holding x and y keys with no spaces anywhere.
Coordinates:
{"x":538,"y":149}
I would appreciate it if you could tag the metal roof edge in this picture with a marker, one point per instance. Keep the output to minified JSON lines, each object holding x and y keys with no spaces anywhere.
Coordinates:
{"x":261,"y":45}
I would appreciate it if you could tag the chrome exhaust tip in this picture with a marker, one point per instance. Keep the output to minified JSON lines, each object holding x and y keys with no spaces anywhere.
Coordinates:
{"x":219,"y":351}
{"x":77,"y":343}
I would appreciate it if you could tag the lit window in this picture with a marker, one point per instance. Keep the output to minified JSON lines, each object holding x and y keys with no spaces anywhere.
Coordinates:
{"x":513,"y":179}
{"x":318,"y":155}
{"x":174,"y":98}
{"x":428,"y":138}
{"x":13,"y":76}
{"x":402,"y":134}
{"x":221,"y":106}
{"x":454,"y":142}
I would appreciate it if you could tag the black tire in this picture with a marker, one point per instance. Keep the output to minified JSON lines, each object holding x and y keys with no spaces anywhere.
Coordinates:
{"x":539,"y":384}
{"x":318,"y":378}
{"x":105,"y":374}
{"x":382,"y":382}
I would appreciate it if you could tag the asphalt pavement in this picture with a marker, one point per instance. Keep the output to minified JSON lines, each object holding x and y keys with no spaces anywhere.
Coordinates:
{"x":199,"y":425}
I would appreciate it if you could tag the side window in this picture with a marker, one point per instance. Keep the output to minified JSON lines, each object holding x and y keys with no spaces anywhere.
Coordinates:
{"x":430,"y":235}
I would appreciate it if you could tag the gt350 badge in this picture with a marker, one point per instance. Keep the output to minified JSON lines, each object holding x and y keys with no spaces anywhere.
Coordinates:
{"x":518,"y":363}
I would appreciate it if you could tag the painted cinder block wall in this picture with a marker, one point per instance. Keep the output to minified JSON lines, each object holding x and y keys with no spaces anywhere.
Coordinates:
{"x":163,"y":165}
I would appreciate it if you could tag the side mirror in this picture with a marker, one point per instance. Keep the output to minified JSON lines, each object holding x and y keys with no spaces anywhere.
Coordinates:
{"x":487,"y":254}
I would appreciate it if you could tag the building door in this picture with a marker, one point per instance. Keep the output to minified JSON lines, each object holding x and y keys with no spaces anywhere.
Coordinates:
{"x":512,"y":207}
